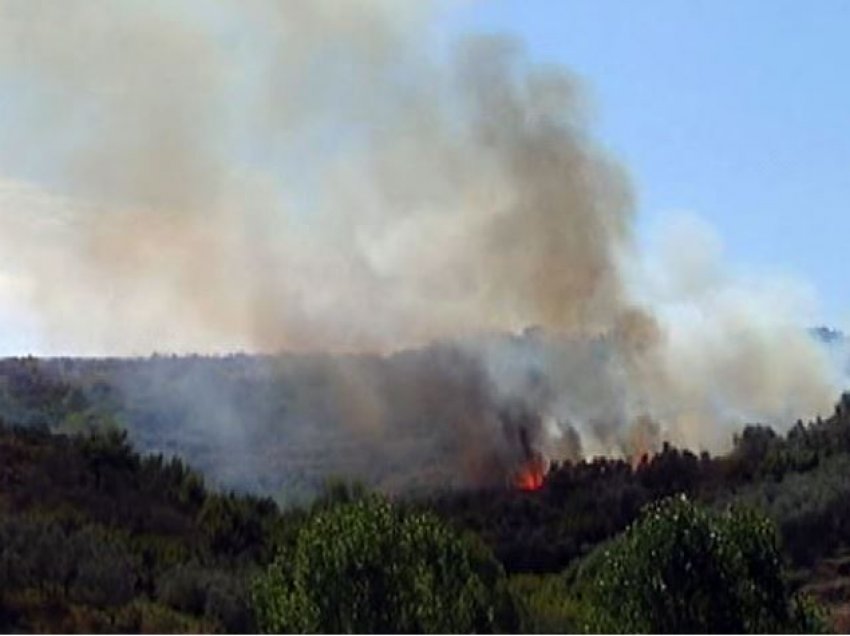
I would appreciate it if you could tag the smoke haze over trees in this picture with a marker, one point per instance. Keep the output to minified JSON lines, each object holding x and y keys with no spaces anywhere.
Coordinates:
{"x":303,"y":176}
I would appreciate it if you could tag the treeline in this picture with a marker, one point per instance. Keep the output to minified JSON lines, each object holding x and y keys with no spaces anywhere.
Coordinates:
{"x":95,"y":537}
{"x":796,"y":478}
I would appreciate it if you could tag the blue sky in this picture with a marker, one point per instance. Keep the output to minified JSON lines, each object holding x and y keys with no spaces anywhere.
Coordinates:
{"x":737,"y":110}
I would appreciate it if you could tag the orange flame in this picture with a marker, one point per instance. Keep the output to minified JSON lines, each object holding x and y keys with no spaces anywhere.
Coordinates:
{"x":531,"y":474}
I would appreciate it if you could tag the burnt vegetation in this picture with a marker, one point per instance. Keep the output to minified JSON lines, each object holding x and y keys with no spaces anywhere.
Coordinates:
{"x":96,"y":536}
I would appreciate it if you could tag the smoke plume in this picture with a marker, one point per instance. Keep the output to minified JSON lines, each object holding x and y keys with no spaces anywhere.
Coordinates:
{"x":321,"y":176}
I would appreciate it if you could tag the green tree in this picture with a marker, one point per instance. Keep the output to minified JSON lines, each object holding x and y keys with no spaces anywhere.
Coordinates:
{"x":546,"y":604}
{"x":683,"y":569}
{"x":366,"y":566}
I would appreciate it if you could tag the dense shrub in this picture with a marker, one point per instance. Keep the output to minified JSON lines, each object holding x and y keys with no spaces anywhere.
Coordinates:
{"x":546,"y":604}
{"x":218,"y":595}
{"x":805,"y":505}
{"x":684,"y":569}
{"x":367,"y":567}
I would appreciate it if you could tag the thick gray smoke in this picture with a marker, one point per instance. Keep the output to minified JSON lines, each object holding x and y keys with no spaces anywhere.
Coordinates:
{"x":318,"y":175}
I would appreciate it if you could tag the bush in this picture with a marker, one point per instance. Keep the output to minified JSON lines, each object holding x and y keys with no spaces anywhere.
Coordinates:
{"x":546,"y":605}
{"x":366,"y":567}
{"x":105,"y":569}
{"x":683,"y":569}
{"x":219,"y":596}
{"x":228,"y":604}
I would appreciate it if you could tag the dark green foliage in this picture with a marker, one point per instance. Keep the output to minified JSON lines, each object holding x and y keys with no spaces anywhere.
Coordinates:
{"x":94,"y":537}
{"x":580,"y":505}
{"x":546,"y":604}
{"x":63,"y":565}
{"x":368,"y":567}
{"x":794,"y":478}
{"x":236,"y":526}
{"x":544,"y":531}
{"x":212,"y":593}
{"x":338,"y":491}
{"x":805,"y":505}
{"x":103,"y":567}
{"x":807,"y":616}
{"x":684,"y":569}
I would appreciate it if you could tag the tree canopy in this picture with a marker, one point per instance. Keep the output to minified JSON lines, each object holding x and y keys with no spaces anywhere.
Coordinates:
{"x":369,"y":567}
{"x":682,"y":568}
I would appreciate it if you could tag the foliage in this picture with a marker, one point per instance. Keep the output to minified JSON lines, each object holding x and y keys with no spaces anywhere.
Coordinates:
{"x":546,"y":604}
{"x":212,"y":593}
{"x":95,"y":536}
{"x":367,"y":567}
{"x":808,"y":616}
{"x":683,"y":569}
{"x":813,"y":503}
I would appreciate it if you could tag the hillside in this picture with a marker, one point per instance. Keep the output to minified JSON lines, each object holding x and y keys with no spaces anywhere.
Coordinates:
{"x":94,"y":537}
{"x":417,"y":421}
{"x":100,"y":534}
{"x":98,"y":537}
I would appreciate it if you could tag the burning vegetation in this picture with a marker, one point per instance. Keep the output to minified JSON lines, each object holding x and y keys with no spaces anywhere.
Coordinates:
{"x":524,"y":427}
{"x":532,"y":473}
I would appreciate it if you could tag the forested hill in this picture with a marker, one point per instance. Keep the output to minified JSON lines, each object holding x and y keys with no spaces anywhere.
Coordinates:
{"x":92,"y":466}
{"x":95,"y":537}
{"x":272,"y":425}
{"x":275,"y":425}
